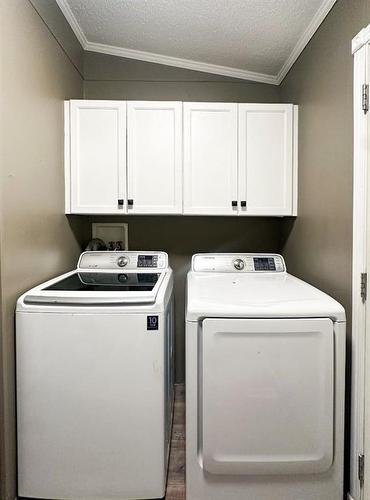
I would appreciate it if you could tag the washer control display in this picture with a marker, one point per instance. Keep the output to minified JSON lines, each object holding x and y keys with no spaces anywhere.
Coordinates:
{"x":264,"y":264}
{"x":147,"y":260}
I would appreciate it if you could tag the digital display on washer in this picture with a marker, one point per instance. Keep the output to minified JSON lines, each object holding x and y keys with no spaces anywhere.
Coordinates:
{"x":147,"y":261}
{"x":264,"y":264}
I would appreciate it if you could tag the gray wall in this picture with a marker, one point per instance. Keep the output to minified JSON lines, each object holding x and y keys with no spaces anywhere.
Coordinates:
{"x":60,"y":29}
{"x":36,"y":239}
{"x":318,"y":245}
{"x":110,"y":77}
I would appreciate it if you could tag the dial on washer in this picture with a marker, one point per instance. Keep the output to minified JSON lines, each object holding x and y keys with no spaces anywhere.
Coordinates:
{"x":122,"y":261}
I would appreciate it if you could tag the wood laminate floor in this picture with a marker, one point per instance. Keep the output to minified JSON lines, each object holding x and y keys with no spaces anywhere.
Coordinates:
{"x":176,"y":473}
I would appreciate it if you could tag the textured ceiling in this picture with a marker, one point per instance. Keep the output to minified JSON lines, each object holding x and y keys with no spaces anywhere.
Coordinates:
{"x":250,"y":35}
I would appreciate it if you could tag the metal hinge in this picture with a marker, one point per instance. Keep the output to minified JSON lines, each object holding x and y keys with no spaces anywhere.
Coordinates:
{"x":365,"y":98}
{"x":361,"y":468}
{"x":363,"y":286}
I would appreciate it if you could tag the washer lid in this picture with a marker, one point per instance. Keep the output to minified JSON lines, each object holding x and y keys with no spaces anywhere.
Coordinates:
{"x":106,"y":282}
{"x":80,"y":288}
{"x":250,"y":295}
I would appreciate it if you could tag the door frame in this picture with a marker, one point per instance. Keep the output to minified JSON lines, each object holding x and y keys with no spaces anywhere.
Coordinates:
{"x":360,"y":401}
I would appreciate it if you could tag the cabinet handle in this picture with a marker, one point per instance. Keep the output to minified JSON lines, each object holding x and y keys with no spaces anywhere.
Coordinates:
{"x":234,"y":203}
{"x":120,"y":202}
{"x":243,"y":203}
{"x":130,"y":203}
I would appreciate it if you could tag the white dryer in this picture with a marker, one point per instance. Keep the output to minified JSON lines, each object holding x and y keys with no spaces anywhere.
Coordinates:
{"x":95,"y":379}
{"x":265,"y":377}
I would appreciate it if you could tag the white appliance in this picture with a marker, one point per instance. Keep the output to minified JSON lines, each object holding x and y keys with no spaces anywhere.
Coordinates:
{"x":265,"y":375}
{"x":95,"y":379}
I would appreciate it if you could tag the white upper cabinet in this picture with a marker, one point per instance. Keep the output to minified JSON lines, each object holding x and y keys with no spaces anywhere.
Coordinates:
{"x":266,"y":159}
{"x":154,"y":157}
{"x":180,"y":158}
{"x":210,"y":158}
{"x":97,"y":157}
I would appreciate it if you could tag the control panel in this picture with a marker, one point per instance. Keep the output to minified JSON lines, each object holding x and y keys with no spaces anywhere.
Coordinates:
{"x":236,"y":263}
{"x":123,"y":260}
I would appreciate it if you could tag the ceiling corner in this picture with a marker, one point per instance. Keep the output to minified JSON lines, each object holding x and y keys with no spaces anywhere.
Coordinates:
{"x":311,"y":29}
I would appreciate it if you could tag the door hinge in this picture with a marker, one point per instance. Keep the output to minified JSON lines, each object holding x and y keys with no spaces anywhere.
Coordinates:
{"x":361,"y":468}
{"x":363,"y":286}
{"x":365,"y":98}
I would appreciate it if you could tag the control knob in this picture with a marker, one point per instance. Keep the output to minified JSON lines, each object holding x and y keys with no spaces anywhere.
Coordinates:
{"x":122,"y":261}
{"x":239,"y":264}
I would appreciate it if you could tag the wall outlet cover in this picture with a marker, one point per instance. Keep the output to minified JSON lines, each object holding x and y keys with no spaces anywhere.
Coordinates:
{"x":111,"y":231}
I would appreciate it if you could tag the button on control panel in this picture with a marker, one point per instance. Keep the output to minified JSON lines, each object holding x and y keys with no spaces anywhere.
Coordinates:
{"x":245,"y":263}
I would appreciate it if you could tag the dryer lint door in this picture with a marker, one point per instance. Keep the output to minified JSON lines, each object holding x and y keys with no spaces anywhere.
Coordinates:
{"x":266,"y":396}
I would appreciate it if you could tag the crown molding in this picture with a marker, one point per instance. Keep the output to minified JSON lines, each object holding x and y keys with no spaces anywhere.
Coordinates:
{"x":68,"y":14}
{"x":361,"y":39}
{"x":319,"y":17}
{"x":181,"y":63}
{"x":198,"y":65}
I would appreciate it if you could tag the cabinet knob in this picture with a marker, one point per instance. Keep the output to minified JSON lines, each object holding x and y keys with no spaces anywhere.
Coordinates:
{"x":234,"y":203}
{"x":130,"y":203}
{"x":243,"y":203}
{"x":120,"y":202}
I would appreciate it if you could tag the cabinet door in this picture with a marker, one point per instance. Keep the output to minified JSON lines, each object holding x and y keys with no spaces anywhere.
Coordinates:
{"x":266,"y":159}
{"x":210,"y":158}
{"x":98,"y":157}
{"x":154,"y":157}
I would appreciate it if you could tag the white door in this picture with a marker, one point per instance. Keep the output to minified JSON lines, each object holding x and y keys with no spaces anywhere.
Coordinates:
{"x":360,"y":344}
{"x":266,"y":159}
{"x":267,"y":390}
{"x":210,"y":158}
{"x":154,"y":157}
{"x":98,"y":157}
{"x":361,"y":263}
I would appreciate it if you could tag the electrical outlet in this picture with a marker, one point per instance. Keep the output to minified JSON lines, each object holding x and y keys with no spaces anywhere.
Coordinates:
{"x":111,"y":232}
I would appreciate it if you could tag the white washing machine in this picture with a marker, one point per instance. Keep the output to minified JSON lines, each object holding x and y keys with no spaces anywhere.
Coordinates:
{"x":95,"y":379}
{"x":265,"y":376}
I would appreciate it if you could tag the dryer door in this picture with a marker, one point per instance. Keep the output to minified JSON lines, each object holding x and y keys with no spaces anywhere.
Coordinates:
{"x":266,"y":396}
